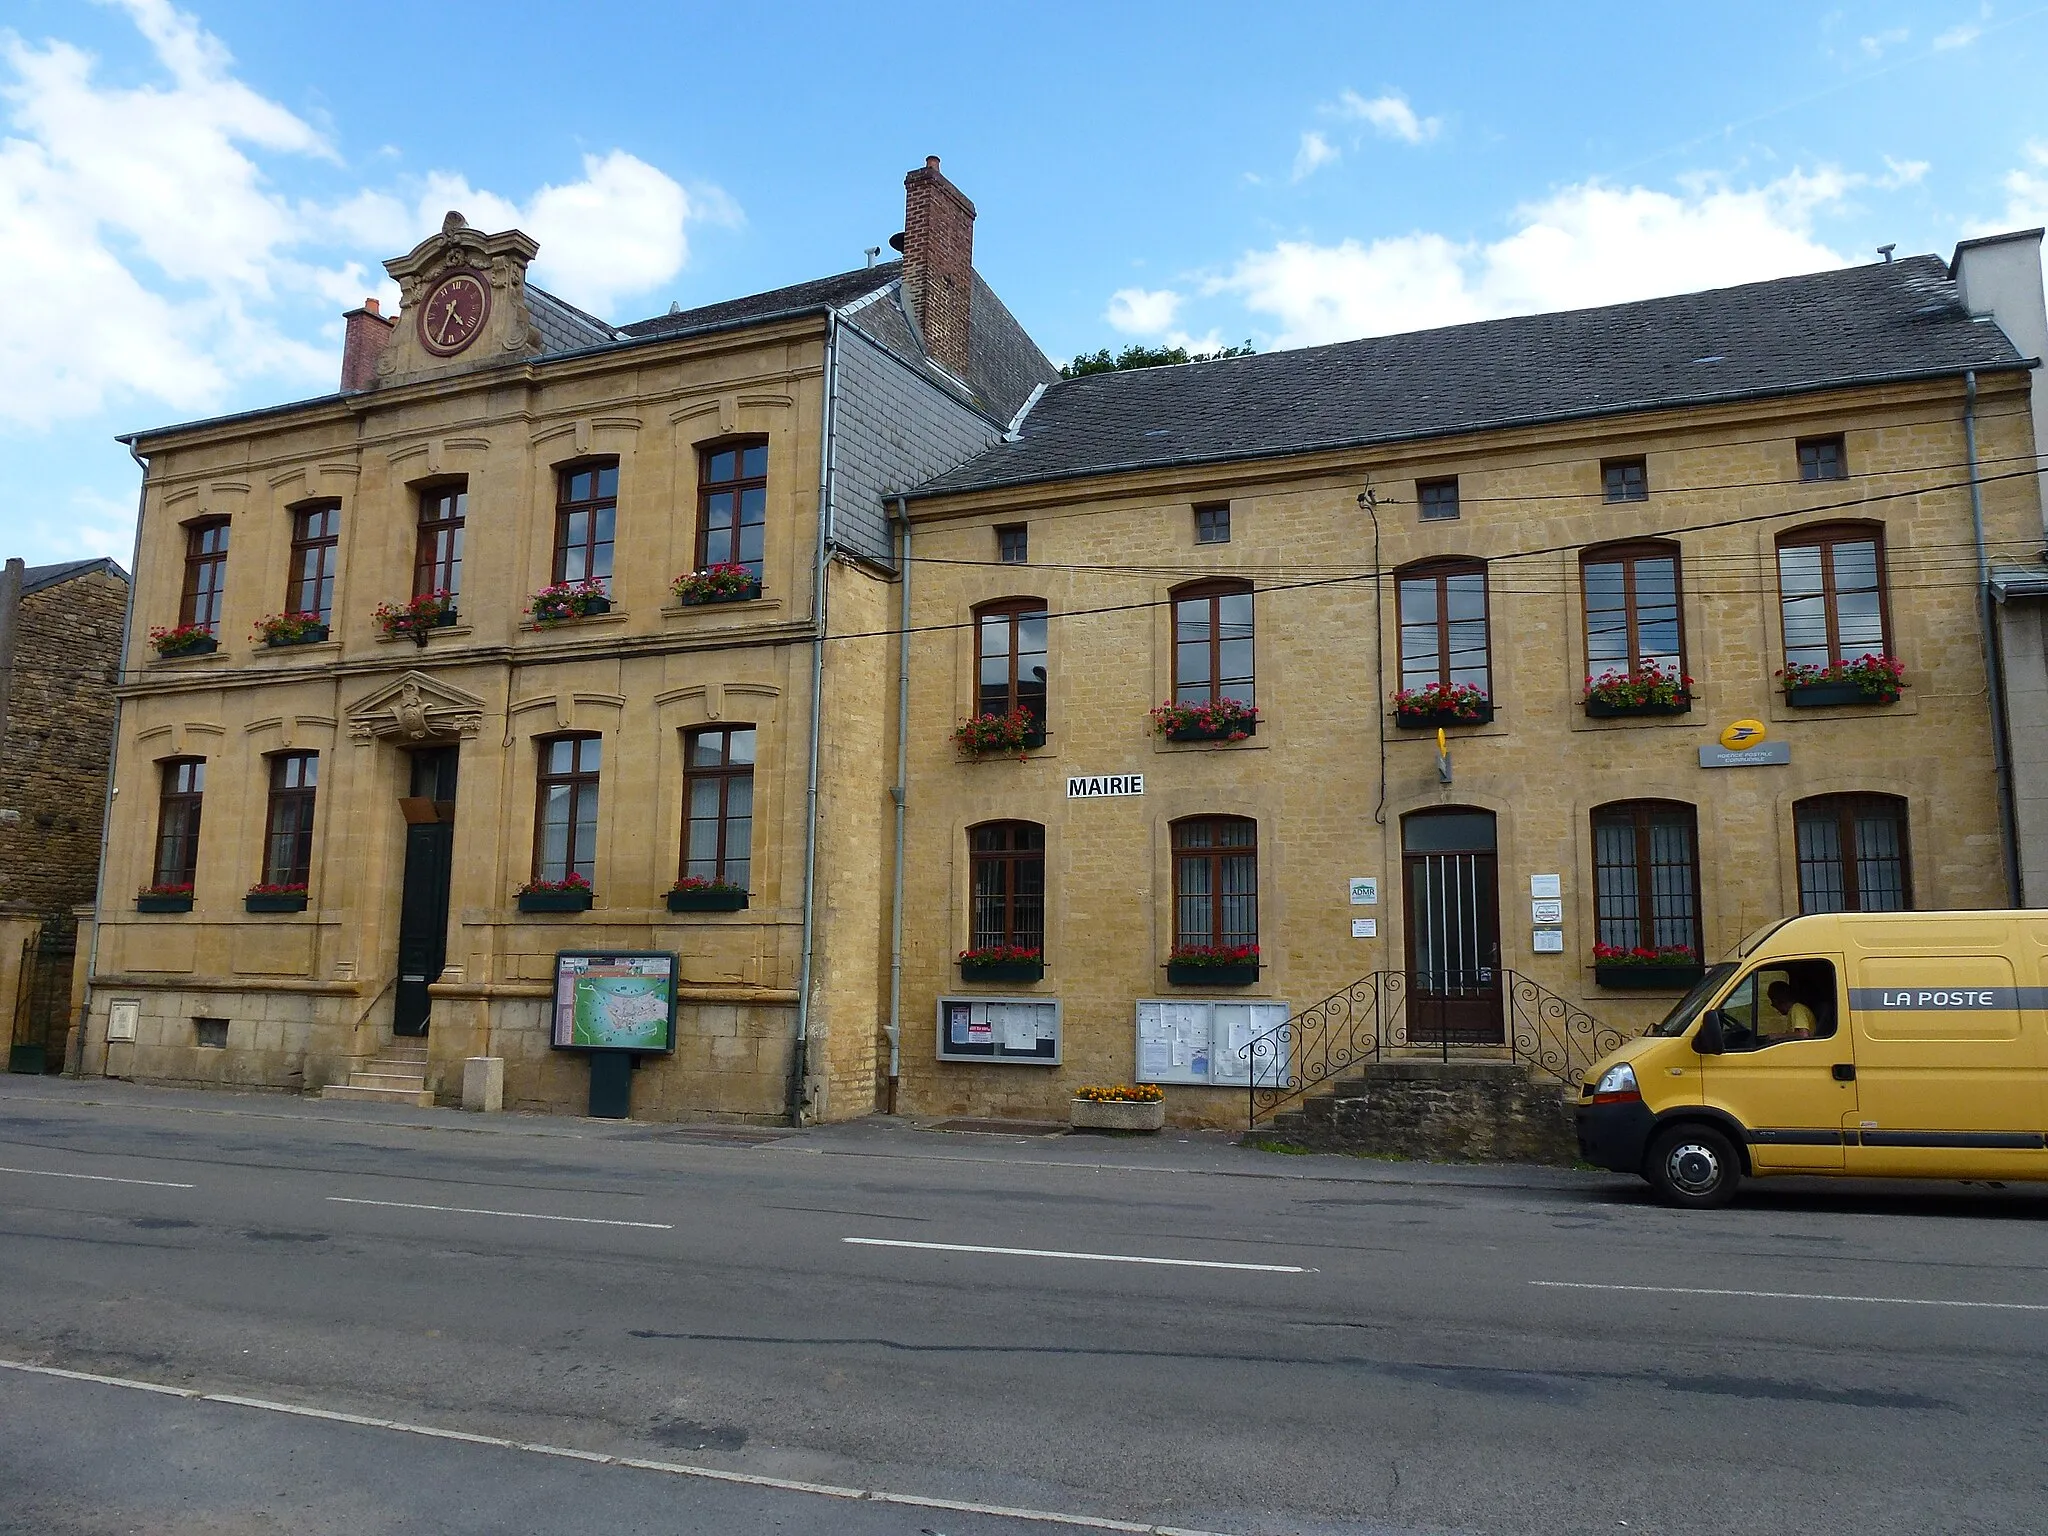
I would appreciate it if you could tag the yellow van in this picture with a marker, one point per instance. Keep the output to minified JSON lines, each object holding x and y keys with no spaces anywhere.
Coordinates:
{"x":1867,"y":1044}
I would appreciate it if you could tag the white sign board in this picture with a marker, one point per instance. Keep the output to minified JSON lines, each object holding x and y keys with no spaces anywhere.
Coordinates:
{"x":1551,"y":886}
{"x":1208,"y":1042}
{"x":1097,"y":786}
{"x":1365,"y":927}
{"x":1546,"y":911}
{"x":1549,"y":941}
{"x":1365,"y":890}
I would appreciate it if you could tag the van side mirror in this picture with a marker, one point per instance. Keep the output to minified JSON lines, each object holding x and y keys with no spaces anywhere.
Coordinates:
{"x":1706,"y":1040}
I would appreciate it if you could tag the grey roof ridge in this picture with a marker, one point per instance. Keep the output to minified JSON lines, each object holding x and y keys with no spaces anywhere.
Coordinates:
{"x":932,"y":488}
{"x":868,"y":298}
{"x":37,"y":578}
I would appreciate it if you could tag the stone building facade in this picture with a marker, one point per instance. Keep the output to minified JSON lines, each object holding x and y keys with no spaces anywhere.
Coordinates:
{"x":334,"y":833}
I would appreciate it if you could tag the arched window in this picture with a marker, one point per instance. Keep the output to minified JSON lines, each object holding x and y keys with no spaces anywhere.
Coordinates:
{"x":288,"y":818}
{"x":1633,"y":607}
{"x":718,"y":804}
{"x":1212,"y":643}
{"x":1444,"y":637}
{"x":1852,"y":854}
{"x":316,"y":550}
{"x":1831,"y":593}
{"x":1010,"y":657}
{"x":1646,"y":882}
{"x":586,"y":515}
{"x":1007,"y":860}
{"x":1216,"y":881}
{"x":732,"y":505}
{"x":565,"y":817}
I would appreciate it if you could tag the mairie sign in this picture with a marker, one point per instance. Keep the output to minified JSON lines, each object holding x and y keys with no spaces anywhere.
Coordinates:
{"x":1095,"y":786}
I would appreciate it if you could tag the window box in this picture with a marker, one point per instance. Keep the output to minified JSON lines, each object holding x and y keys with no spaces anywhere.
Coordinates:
{"x":1002,"y":970}
{"x":1213,"y":731}
{"x":728,"y":583}
{"x":171,"y":644}
{"x":1830,"y":695}
{"x":417,"y":617}
{"x":1643,"y":978}
{"x":274,"y":901}
{"x":567,"y":601}
{"x":1218,"y":720}
{"x":1430,"y":719}
{"x":1601,"y":709}
{"x":1188,"y":973}
{"x":312,"y":634}
{"x":707,"y":901}
{"x":163,"y":902}
{"x":1116,"y":1115}
{"x":986,"y":735}
{"x":555,"y":901}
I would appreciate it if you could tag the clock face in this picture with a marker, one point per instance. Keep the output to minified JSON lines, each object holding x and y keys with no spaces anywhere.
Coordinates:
{"x":454,"y":313}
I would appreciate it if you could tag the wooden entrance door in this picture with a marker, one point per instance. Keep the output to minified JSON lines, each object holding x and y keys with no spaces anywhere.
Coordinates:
{"x":1452,"y":906}
{"x":423,"y":902}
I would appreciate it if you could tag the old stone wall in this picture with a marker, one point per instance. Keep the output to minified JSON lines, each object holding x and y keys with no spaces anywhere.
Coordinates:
{"x":1458,"y":1112}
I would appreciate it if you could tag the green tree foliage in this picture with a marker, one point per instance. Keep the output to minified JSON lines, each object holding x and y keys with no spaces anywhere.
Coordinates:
{"x":1139,"y":356}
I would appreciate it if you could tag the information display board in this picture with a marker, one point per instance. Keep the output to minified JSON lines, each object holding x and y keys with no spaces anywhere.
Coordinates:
{"x":1189,"y":1041}
{"x":1013,"y":1029}
{"x":618,"y":1000}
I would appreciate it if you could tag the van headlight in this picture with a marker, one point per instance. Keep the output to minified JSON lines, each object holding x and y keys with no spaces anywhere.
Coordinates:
{"x":1616,"y":1085}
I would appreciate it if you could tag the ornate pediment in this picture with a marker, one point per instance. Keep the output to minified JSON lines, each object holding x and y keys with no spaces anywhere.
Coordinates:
{"x":416,"y":708}
{"x":463,"y":294}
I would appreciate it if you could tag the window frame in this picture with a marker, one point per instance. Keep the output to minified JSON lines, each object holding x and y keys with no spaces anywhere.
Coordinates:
{"x":188,"y":805}
{"x":1213,"y":592}
{"x":1627,"y":552}
{"x":1434,"y":487}
{"x":1834,"y":440}
{"x":1825,"y":537}
{"x":203,"y":596}
{"x":1609,"y":467}
{"x":1440,"y":571}
{"x":1013,"y":610}
{"x":323,"y":551}
{"x":737,"y":487}
{"x":436,"y":566}
{"x":1017,"y":855}
{"x":723,"y":774}
{"x":1639,"y":815}
{"x":577,"y":780}
{"x":302,"y":799}
{"x":1214,"y":855}
{"x":1021,"y":533}
{"x":1844,"y":808}
{"x":589,"y":508}
{"x":1218,"y":515}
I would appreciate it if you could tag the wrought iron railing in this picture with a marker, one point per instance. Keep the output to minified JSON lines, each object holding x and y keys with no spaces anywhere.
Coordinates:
{"x":1434,"y":1011}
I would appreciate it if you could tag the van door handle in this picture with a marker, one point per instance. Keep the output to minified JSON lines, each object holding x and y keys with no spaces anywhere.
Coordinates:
{"x":1845,"y":1071}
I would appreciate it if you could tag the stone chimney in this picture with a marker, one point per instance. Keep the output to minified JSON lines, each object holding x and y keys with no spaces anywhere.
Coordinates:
{"x":938,"y":262}
{"x":367,"y":335}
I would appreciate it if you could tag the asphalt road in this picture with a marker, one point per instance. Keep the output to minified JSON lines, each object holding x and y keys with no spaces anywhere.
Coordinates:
{"x":1340,"y":1345}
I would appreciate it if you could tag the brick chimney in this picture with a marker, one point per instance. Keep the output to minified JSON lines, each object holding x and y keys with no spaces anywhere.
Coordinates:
{"x":367,"y":335}
{"x":938,"y":262}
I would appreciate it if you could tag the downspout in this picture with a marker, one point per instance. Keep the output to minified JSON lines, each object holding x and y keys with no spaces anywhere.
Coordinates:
{"x":99,"y":888}
{"x":899,"y":792}
{"x":799,"y":1068}
{"x":1994,"y":666}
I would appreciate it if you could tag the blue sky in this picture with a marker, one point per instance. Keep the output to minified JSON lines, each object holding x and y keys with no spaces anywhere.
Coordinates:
{"x":190,"y":195}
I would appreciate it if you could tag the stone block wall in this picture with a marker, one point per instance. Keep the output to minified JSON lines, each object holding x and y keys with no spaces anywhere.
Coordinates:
{"x":1458,"y":1112}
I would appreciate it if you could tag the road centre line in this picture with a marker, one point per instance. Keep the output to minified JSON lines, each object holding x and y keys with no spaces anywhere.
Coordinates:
{"x":566,"y":1453}
{"x":98,"y":1178}
{"x":1054,"y":1253}
{"x":1882,"y":1301}
{"x":470,"y":1210}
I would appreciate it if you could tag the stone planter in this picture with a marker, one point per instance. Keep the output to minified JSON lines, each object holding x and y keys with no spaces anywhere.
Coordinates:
{"x":163,"y":903}
{"x":745,"y":595}
{"x":205,"y":645}
{"x":1648,"y":978}
{"x":1212,"y":732}
{"x":707,"y":901}
{"x":1600,"y":709}
{"x":1181,"y":974}
{"x":314,"y":636}
{"x":1430,"y":719}
{"x":255,"y":903}
{"x":1116,"y":1115}
{"x":1831,"y":695}
{"x":1002,"y":970}
{"x":554,"y":901}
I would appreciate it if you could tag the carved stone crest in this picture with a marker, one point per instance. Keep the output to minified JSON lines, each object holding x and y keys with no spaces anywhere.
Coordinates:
{"x":415,"y":708}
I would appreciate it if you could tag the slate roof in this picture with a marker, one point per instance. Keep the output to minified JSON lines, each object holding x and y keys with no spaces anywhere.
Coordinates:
{"x":562,"y":326}
{"x":1859,"y":325}
{"x":37,"y":577}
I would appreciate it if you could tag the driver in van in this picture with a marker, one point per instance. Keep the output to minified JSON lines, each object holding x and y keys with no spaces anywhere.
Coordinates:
{"x":1799,"y":1020}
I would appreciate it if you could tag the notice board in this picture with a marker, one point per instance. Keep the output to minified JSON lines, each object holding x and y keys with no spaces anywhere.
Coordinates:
{"x":1024,"y":1030}
{"x":1192,"y":1041}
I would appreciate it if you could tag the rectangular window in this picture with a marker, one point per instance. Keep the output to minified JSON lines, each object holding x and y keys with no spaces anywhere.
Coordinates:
{"x":1444,"y":627}
{"x":1831,"y":593}
{"x":288,"y":826}
{"x":1852,"y":854}
{"x":1010,"y":658}
{"x":1008,"y":872}
{"x":437,"y":562}
{"x":316,"y":541}
{"x":718,"y":796}
{"x":1646,"y":876}
{"x":732,"y":506}
{"x":1013,"y":544}
{"x":1439,"y":499}
{"x":1632,"y":609}
{"x":1821,"y":458}
{"x":181,"y":789}
{"x":1212,"y":524}
{"x":567,"y":815}
{"x":1624,"y":480}
{"x":1212,"y":644}
{"x":206,"y":575}
{"x":586,"y":510}
{"x":1216,"y":881}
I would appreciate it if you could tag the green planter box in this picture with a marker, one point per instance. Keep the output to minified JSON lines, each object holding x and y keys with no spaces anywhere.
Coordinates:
{"x":1429,"y":720}
{"x":25,"y":1058}
{"x":744,"y":595}
{"x":554,"y":901}
{"x":1002,"y":970}
{"x":1181,"y":974}
{"x":255,"y":903}
{"x":1832,"y":695}
{"x":1648,"y":978}
{"x":707,"y":901}
{"x":592,"y":608}
{"x":206,"y":645}
{"x":1212,"y":733}
{"x":314,"y":636}
{"x":163,"y":903}
{"x":1600,"y":709}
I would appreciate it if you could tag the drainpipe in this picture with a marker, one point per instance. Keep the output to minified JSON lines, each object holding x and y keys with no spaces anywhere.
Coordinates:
{"x":799,"y":1070}
{"x":99,"y":889}
{"x":1994,"y":665}
{"x":899,"y":793}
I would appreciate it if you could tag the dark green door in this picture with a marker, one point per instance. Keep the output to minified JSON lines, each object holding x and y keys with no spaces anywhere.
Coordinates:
{"x":423,"y":904}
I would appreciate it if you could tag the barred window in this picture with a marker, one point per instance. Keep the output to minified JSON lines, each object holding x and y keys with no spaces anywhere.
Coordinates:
{"x":1852,"y":854}
{"x":1007,"y":860}
{"x":1216,"y":880}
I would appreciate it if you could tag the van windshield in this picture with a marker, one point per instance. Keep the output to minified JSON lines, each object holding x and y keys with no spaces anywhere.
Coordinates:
{"x":1689,"y":1006}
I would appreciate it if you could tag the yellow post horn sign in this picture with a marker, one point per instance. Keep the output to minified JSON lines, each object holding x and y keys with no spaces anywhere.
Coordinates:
{"x":1741,"y":735}
{"x":1443,"y":757}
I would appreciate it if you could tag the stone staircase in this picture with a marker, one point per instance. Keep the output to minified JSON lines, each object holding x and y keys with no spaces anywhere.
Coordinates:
{"x":398,"y":1075}
{"x":1477,"y":1106}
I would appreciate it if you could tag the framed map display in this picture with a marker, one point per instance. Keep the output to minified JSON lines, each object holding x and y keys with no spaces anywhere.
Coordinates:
{"x":622,"y":1000}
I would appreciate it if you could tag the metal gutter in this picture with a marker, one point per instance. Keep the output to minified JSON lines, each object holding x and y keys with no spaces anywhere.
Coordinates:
{"x":899,"y":792}
{"x":1994,"y":661}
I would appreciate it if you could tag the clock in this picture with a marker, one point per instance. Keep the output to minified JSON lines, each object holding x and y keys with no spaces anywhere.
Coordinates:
{"x":454,"y":313}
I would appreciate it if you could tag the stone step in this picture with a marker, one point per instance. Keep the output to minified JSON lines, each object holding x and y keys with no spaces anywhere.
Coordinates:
{"x":420,"y":1097}
{"x":407,"y":1082}
{"x":417,"y":1058}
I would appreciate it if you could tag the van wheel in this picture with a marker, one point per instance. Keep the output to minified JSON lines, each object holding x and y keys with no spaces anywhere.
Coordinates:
{"x":1693,"y":1166}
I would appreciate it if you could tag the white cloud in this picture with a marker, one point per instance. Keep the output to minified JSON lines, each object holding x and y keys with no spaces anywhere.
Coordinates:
{"x":1901,"y":173}
{"x":1588,"y":244}
{"x":1139,"y":312}
{"x":2026,"y":194}
{"x":1957,"y":37}
{"x":1315,"y":152}
{"x":1878,"y":43}
{"x":1390,"y":115}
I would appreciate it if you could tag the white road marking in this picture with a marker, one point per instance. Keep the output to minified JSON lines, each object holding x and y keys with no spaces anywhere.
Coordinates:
{"x":470,"y":1210}
{"x":1054,"y":1253}
{"x":98,"y":1178}
{"x":1880,"y":1301}
{"x":566,"y":1453}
